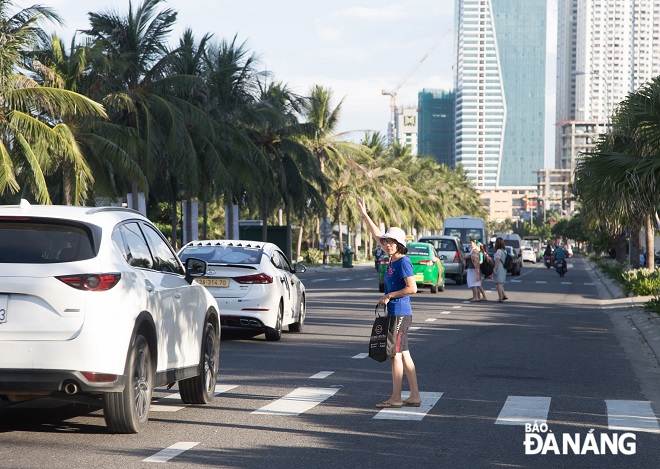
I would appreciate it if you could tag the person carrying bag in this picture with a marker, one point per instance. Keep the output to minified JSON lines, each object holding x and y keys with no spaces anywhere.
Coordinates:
{"x":399,"y":285}
{"x":382,"y":342}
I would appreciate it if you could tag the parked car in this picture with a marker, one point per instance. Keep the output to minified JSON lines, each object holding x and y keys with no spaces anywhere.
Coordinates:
{"x":427,"y":267}
{"x":254,"y":284}
{"x":450,"y":251}
{"x":94,"y":301}
{"x":528,"y":254}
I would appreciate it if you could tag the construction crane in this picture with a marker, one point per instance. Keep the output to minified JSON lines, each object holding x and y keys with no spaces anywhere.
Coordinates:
{"x":391,"y":131}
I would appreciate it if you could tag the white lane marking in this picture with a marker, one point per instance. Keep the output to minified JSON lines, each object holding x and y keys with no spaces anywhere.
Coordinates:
{"x":171,"y":451}
{"x":445,"y":312}
{"x":166,"y":404}
{"x":415,"y":328}
{"x":361,"y":355}
{"x":369,"y":279}
{"x":590,"y":284}
{"x":467,"y":301}
{"x":519,"y":410}
{"x":567,"y":283}
{"x":410,"y":413}
{"x":634,"y":416}
{"x":431,"y":319}
{"x":457,"y":306}
{"x":297,"y":401}
{"x":319,"y":280}
{"x":515,"y":281}
{"x":541,"y":281}
{"x":321,"y":375}
{"x":344,"y":279}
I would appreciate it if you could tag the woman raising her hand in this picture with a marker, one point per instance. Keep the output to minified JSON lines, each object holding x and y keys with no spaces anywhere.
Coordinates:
{"x":399,"y":285}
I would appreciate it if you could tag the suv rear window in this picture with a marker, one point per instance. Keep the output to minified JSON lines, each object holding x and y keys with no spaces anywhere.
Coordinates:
{"x":30,"y":242}
{"x":418,"y":251}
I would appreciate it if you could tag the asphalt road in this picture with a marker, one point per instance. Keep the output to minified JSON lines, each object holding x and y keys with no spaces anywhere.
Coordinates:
{"x":557,"y":352}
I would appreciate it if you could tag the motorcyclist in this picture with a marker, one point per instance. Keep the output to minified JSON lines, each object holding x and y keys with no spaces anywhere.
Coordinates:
{"x":560,"y":256}
{"x":548,"y":251}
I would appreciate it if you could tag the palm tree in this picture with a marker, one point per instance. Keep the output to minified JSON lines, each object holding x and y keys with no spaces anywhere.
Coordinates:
{"x":55,"y":66}
{"x":132,"y":81}
{"x":31,"y":115}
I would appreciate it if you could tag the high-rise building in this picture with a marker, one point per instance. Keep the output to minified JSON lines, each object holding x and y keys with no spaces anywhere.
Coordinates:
{"x":605,"y":50}
{"x":500,"y":91}
{"x":406,"y":128}
{"x":436,"y":125}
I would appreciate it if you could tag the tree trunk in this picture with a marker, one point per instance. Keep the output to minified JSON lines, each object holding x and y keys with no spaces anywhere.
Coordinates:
{"x":205,"y":219}
{"x":338,"y":217}
{"x":300,"y":237}
{"x":620,"y":248}
{"x":650,"y":243}
{"x":289,"y":237}
{"x":134,"y":196}
{"x":264,"y":218}
{"x":66,"y":184}
{"x":634,"y":248}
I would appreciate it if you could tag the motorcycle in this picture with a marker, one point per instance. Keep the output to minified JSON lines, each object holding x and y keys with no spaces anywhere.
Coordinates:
{"x":560,"y":267}
{"x":548,"y":261}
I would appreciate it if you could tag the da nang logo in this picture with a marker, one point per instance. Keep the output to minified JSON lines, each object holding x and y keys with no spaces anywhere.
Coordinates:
{"x":539,"y":439}
{"x":379,"y":329}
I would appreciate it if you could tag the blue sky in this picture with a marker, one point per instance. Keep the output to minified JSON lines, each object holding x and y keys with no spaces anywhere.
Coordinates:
{"x":355,"y":47}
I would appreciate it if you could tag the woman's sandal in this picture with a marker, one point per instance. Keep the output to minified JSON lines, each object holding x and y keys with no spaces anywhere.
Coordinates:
{"x":388,"y":405}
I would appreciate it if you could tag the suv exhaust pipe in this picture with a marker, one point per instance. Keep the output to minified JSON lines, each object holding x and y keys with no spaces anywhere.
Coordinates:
{"x":71,"y":388}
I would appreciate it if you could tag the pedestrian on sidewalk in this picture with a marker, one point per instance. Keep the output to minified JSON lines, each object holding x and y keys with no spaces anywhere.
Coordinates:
{"x":399,"y":285}
{"x":499,"y":272}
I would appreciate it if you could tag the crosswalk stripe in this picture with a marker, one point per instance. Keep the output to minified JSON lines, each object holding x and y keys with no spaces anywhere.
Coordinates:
{"x":361,"y":355}
{"x":431,"y":319}
{"x":171,"y":451}
{"x":445,"y":312}
{"x":429,"y":399}
{"x":456,"y":307}
{"x":414,"y":328}
{"x":519,"y":410}
{"x":167,"y":403}
{"x":297,"y":401}
{"x":321,"y":375}
{"x":635,"y":416}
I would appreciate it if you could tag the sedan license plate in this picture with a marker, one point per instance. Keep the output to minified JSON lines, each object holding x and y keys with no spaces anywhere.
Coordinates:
{"x":419,"y":277}
{"x":4,"y":304}
{"x":214,"y":282}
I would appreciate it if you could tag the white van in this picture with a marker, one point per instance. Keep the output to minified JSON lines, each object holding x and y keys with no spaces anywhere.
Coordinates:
{"x":466,"y":228}
{"x":513,"y":240}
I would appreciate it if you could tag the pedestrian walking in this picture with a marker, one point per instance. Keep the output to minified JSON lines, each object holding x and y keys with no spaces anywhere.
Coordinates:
{"x":399,"y":285}
{"x":483,"y":257}
{"x":473,"y":273}
{"x":499,"y":272}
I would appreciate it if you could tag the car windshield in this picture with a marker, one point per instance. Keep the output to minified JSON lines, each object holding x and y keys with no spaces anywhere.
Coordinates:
{"x":514,"y":243}
{"x":223,"y":254}
{"x":47,"y":242}
{"x":465,"y":234}
{"x":418,"y":251}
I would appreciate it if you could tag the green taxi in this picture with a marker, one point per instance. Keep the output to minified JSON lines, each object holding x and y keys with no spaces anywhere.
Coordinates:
{"x":428,"y":268}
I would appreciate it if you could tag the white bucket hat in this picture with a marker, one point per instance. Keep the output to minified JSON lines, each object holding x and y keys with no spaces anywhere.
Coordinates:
{"x":397,"y":234}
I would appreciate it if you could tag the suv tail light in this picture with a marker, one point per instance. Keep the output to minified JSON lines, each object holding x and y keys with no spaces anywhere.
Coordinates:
{"x":426,"y":262}
{"x":457,"y":257}
{"x":91,"y":282}
{"x":256,"y":278}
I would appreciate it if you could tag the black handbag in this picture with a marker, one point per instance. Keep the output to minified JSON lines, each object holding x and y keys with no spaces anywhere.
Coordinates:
{"x":382,"y":343}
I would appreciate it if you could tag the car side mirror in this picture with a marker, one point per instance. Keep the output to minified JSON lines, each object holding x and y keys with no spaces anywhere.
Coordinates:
{"x":299,"y":269}
{"x":195,"y":268}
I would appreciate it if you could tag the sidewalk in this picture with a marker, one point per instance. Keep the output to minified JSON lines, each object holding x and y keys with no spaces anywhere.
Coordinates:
{"x":646,"y":323}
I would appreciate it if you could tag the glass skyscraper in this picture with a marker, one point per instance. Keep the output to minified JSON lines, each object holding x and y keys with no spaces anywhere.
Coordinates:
{"x":435,"y":135}
{"x":500,"y":91}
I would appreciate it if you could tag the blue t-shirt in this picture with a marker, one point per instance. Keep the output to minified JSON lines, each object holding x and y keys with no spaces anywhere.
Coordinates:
{"x":395,"y":274}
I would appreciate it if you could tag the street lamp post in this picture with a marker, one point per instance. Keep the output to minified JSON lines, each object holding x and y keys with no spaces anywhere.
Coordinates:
{"x":607,"y":91}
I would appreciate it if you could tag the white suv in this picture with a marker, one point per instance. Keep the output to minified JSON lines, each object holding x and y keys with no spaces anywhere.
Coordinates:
{"x":95,"y":301}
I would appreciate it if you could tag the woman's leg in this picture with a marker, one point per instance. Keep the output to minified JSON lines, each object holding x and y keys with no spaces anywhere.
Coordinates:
{"x":411,"y":376}
{"x":397,"y":378}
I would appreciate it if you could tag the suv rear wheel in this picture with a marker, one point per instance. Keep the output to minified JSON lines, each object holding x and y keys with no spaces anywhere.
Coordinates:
{"x":200,"y":389}
{"x":128,"y":411}
{"x":275,"y":334}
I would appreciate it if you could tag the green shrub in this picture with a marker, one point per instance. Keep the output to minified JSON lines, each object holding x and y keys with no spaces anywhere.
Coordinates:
{"x":611,"y":268}
{"x":314,"y":256}
{"x":641,"y":282}
{"x":653,"y":305}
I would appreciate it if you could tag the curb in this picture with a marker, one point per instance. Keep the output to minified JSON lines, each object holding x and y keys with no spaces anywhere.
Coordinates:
{"x":645,"y":322}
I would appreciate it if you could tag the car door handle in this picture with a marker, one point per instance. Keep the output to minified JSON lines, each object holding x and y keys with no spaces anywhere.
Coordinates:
{"x":177,"y":295}
{"x":149,"y":288}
